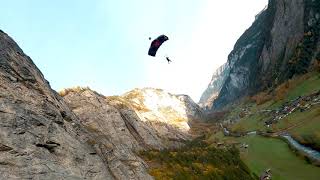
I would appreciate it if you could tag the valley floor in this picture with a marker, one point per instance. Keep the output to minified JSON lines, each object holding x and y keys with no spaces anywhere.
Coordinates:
{"x":293,"y":109}
{"x":264,"y":153}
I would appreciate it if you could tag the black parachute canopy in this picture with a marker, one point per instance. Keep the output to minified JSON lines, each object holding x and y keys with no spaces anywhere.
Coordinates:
{"x":155,"y":44}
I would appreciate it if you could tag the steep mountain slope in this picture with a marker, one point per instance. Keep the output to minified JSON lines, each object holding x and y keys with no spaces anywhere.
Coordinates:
{"x":282,"y":42}
{"x":214,"y":87}
{"x":40,"y":138}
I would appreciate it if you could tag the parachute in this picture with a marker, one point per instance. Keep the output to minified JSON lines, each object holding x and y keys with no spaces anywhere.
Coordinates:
{"x":155,"y":44}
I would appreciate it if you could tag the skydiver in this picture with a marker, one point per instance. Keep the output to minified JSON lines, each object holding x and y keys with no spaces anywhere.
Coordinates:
{"x":168,"y":60}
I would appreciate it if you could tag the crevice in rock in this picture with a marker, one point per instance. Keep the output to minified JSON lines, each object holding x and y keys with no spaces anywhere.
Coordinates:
{"x":50,"y":146}
{"x":133,"y":131}
{"x":5,"y":148}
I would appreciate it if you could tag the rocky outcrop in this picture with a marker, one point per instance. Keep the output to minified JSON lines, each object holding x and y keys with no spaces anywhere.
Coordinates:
{"x":214,"y":87}
{"x":40,"y":138}
{"x":282,"y":42}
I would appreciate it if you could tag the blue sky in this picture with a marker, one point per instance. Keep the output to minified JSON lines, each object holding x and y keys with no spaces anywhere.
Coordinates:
{"x":103,"y":44}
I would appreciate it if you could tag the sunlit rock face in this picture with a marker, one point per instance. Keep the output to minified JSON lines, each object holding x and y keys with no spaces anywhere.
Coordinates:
{"x":156,"y":105}
{"x":214,"y":87}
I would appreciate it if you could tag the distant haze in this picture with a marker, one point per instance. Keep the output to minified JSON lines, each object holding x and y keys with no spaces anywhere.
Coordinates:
{"x":103,"y":44}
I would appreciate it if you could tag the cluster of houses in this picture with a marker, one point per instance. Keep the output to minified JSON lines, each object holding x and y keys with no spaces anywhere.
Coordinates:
{"x":301,"y":103}
{"x":266,"y":175}
{"x":245,"y":111}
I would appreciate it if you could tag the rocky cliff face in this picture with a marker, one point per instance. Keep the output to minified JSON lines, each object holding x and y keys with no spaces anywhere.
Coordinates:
{"x":140,"y":119}
{"x":40,"y":138}
{"x":83,"y":135}
{"x":214,"y":87}
{"x":282,"y":42}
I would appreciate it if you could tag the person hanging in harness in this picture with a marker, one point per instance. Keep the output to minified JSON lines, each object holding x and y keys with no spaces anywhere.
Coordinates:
{"x":168,"y":60}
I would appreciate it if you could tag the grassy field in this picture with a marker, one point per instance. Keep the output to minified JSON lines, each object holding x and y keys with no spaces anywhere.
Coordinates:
{"x":264,"y":153}
{"x":250,"y":123}
{"x":308,"y":131}
{"x":305,"y":87}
